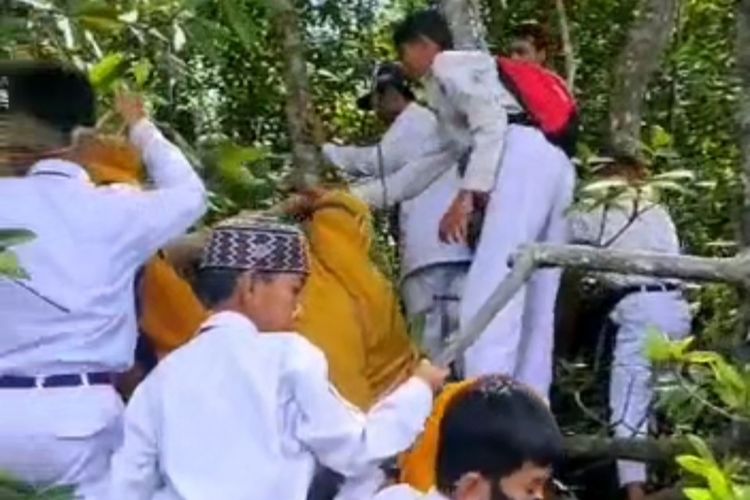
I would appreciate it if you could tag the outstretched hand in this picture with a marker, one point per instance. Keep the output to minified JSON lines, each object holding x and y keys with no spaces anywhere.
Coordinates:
{"x":130,"y":107}
{"x":301,"y":203}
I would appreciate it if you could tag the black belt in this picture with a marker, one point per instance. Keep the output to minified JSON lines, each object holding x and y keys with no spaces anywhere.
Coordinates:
{"x":66,"y":380}
{"x":662,"y":287}
{"x":521,"y":119}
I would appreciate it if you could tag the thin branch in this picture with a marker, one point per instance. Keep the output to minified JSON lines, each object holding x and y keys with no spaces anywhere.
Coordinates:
{"x":568,"y":51}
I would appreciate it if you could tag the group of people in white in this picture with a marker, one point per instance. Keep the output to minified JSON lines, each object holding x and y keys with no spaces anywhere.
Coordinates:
{"x":236,"y":414}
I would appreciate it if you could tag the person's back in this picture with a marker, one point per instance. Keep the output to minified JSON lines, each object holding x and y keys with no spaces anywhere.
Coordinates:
{"x":233,"y":375}
{"x":69,"y":326}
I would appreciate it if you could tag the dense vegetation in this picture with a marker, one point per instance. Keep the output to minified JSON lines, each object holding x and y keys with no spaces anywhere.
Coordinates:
{"x":212,"y":72}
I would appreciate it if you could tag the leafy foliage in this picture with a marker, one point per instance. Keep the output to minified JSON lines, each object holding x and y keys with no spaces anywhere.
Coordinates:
{"x":9,"y":265}
{"x":12,"y":489}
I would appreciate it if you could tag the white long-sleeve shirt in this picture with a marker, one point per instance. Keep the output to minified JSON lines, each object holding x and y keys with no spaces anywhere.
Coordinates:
{"x":622,"y":225}
{"x":472,"y":105}
{"x":76,"y":311}
{"x":414,"y":134}
{"x":240,"y":415}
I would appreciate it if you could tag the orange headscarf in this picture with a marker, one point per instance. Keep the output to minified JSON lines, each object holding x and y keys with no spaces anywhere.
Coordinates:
{"x":418,"y":464}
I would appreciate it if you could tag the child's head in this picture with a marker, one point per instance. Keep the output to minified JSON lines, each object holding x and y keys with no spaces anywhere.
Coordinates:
{"x":530,"y":42}
{"x":419,"y":38}
{"x":498,"y":441}
{"x":256,"y":267}
{"x":57,"y":97}
{"x":389,"y":94}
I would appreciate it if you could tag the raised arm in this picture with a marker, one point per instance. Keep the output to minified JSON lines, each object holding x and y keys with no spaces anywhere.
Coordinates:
{"x":407,"y":182}
{"x":177,"y":198}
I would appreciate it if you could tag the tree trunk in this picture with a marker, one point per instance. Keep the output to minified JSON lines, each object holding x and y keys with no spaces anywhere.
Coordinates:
{"x":743,"y":68}
{"x":304,"y":127}
{"x":464,"y":18}
{"x":648,"y":39}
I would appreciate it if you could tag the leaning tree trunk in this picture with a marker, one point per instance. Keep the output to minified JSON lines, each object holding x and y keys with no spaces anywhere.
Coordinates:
{"x":302,"y":122}
{"x":464,"y":18}
{"x":743,"y":68}
{"x":648,"y":39}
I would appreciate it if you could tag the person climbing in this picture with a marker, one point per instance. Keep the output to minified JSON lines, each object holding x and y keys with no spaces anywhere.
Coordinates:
{"x":641,"y":304}
{"x":69,"y":326}
{"x":245,"y":409}
{"x":523,"y":182}
{"x":432,"y":272}
{"x":494,"y":440}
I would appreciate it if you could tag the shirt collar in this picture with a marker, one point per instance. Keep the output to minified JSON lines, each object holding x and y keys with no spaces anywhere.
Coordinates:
{"x":228,"y":319}
{"x":59,"y":168}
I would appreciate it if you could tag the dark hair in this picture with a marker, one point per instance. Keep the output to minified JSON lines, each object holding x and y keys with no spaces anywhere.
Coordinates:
{"x":493,"y":428}
{"x":216,"y":285}
{"x":429,"y":24}
{"x":535,"y":32}
{"x":51,"y":92}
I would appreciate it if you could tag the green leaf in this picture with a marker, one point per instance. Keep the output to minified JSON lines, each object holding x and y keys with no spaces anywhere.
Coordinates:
{"x":141,"y":71}
{"x":700,"y":447}
{"x":10,"y":267}
{"x":695,"y":465}
{"x":178,"y":37}
{"x":660,"y":138}
{"x":103,"y":73}
{"x":698,"y":494}
{"x":13,"y":237}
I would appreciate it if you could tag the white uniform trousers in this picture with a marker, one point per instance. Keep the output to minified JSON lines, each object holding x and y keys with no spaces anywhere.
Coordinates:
{"x":60,"y":436}
{"x":432,"y":294}
{"x":532,"y":193}
{"x":631,"y":385}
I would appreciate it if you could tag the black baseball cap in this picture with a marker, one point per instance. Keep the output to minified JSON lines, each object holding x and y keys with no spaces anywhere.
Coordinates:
{"x":386,"y":75}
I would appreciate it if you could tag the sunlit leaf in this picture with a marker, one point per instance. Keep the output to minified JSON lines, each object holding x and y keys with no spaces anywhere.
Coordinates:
{"x":178,"y":38}
{"x":142,"y":71}
{"x":698,"y":494}
{"x":9,"y":265}
{"x":103,"y":73}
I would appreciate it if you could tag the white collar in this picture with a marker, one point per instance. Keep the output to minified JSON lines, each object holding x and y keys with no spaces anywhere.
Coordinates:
{"x":229,"y":319}
{"x":56,"y":167}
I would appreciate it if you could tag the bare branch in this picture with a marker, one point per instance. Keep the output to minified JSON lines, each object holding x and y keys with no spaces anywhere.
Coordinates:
{"x":735,"y":271}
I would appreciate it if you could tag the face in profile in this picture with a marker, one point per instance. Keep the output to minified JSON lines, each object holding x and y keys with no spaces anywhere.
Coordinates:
{"x":417,"y":56}
{"x":527,"y":483}
{"x":524,"y":49}
{"x":273,"y":302}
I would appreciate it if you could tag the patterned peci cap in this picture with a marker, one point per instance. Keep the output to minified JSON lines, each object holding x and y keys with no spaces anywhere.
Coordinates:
{"x":259,"y":244}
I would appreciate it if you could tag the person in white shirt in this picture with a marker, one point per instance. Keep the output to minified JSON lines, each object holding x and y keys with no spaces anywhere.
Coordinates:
{"x":432,"y":272}
{"x":244,"y":410}
{"x":643,"y":303}
{"x":524,"y":182}
{"x":70,"y":326}
{"x":497,"y":441}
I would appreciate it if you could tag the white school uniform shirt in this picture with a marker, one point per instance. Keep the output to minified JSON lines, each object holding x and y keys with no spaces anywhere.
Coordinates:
{"x":472,"y":107}
{"x":609,"y":225}
{"x":413,"y":134}
{"x":240,"y":415}
{"x":76,"y":311}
